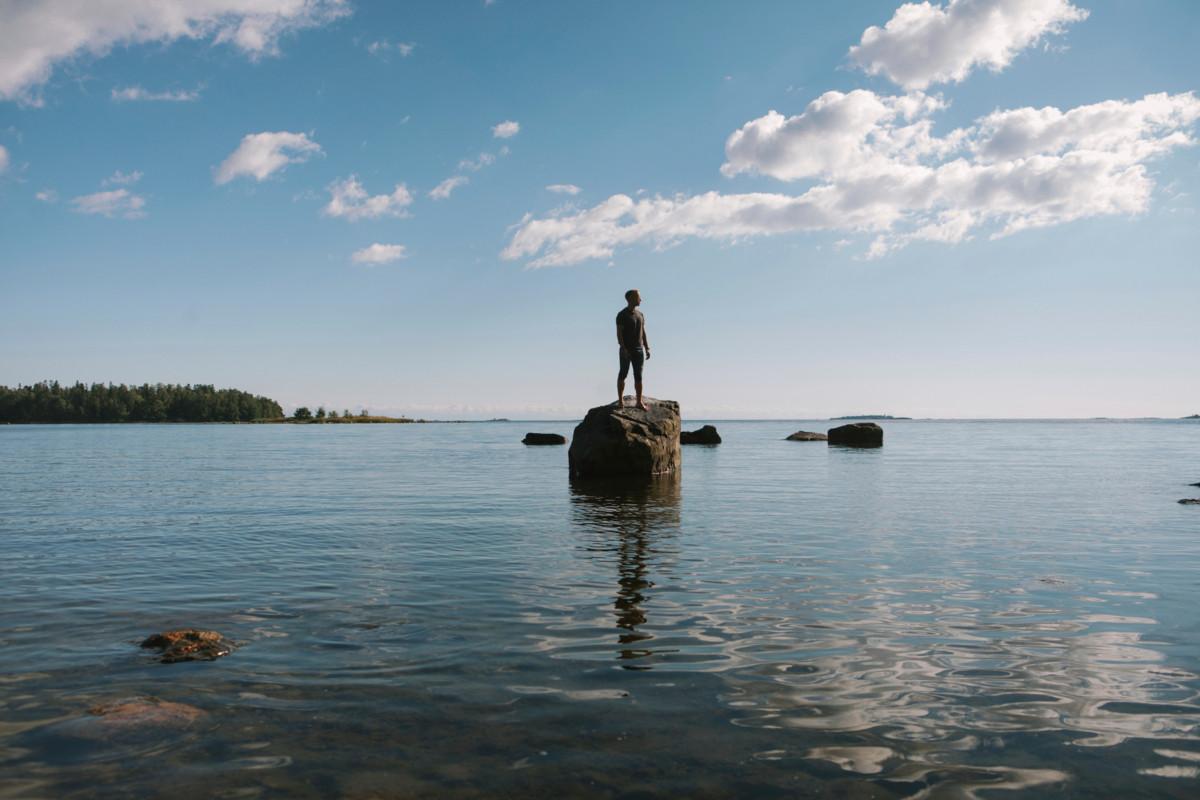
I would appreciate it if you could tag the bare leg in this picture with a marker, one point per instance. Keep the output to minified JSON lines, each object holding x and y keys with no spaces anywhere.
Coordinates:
{"x":640,"y":403}
{"x":620,"y":392}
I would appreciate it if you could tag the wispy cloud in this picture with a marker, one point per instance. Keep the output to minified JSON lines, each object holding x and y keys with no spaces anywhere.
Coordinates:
{"x":119,"y":178}
{"x":349,"y":200}
{"x":47,"y":196}
{"x":506,"y":129}
{"x":3,"y":159}
{"x":115,"y":203}
{"x":474,"y":165}
{"x":133,"y":94}
{"x":379,"y":254}
{"x":563,"y":188}
{"x":384,"y":47}
{"x":261,"y":154}
{"x":443,"y":189}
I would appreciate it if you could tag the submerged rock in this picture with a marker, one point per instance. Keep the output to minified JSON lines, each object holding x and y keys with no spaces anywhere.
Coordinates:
{"x":807,"y":436}
{"x":704,"y":435}
{"x":615,"y":440}
{"x":189,"y":644}
{"x":1190,"y":501}
{"x":858,"y":434}
{"x":139,"y":712}
{"x":544,"y":438}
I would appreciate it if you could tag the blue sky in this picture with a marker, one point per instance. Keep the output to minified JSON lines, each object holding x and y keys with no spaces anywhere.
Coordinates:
{"x":986,"y":208}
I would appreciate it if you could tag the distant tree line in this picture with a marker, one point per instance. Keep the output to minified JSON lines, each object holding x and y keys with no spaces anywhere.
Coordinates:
{"x":159,"y":402}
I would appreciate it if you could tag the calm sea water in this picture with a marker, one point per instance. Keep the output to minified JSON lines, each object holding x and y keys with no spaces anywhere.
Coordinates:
{"x":992,"y":609}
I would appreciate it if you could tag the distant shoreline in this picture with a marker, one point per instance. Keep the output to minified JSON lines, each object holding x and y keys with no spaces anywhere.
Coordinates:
{"x":575,"y":420}
{"x":363,"y":420}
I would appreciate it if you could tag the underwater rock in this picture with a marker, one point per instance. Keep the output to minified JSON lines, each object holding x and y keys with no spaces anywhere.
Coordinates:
{"x":139,"y":712}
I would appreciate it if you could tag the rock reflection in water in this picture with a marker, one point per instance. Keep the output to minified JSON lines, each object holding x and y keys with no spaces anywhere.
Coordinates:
{"x":630,"y":520}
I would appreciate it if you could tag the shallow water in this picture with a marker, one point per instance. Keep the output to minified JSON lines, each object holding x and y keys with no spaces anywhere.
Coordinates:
{"x":1003,"y":608}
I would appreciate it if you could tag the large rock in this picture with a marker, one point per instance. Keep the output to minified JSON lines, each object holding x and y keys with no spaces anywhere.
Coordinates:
{"x":707,"y":434}
{"x":858,"y":434}
{"x":617,"y":440}
{"x":544,"y":438}
{"x":1190,"y":501}
{"x":807,"y":436}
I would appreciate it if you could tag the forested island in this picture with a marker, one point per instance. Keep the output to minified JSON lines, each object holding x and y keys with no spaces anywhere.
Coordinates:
{"x":158,"y":402}
{"x":868,"y":416}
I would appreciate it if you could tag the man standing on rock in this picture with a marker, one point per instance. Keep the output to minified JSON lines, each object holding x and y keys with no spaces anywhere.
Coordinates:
{"x":635,"y":348}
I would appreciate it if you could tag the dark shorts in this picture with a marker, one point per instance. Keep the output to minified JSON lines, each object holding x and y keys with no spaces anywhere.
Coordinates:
{"x":635,"y":356}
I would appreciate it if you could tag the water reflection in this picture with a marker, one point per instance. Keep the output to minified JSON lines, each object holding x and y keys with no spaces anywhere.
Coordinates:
{"x":631,"y":520}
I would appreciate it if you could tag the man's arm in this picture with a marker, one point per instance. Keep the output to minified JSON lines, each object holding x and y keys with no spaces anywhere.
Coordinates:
{"x":645,"y":341}
{"x":620,"y":338}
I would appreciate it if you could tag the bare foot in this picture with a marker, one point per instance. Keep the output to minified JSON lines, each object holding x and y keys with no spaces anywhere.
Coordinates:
{"x":620,"y":402}
{"x":642,"y":405}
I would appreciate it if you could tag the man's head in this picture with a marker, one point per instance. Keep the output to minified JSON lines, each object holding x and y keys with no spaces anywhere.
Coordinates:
{"x":633,"y":298}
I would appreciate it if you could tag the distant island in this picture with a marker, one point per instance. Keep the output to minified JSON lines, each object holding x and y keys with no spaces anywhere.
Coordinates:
{"x":305,"y":416}
{"x":868,"y":416}
{"x":52,"y":402}
{"x":1193,"y":416}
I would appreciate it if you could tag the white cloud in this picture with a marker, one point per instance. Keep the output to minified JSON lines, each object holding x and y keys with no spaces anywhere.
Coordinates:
{"x":131,"y":94}
{"x":1134,"y":130}
{"x":835,"y":132}
{"x":443,"y":189}
{"x":878,"y":169}
{"x":119,"y":202}
{"x":384,"y":47}
{"x":3,"y":159}
{"x":563,"y":188}
{"x":47,"y":196}
{"x":37,"y":36}
{"x":348,"y":199}
{"x":119,"y":178}
{"x":261,"y":154}
{"x":379,"y":254}
{"x":924,"y":43}
{"x":506,"y":129}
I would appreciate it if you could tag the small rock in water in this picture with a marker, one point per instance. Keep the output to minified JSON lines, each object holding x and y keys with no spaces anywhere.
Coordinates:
{"x":1190,"y":501}
{"x":544,"y":438}
{"x":807,"y":436}
{"x":1194,"y":484}
{"x":705,"y":435}
{"x":189,"y":644}
{"x":857,"y":434}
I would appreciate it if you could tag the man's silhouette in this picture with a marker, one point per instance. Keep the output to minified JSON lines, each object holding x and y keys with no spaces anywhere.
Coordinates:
{"x":635,"y":348}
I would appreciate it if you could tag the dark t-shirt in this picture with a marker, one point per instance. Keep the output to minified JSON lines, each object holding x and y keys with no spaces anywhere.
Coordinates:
{"x":632,"y":324}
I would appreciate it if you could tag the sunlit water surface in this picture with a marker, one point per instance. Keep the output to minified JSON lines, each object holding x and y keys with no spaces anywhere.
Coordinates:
{"x":992,"y":609}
